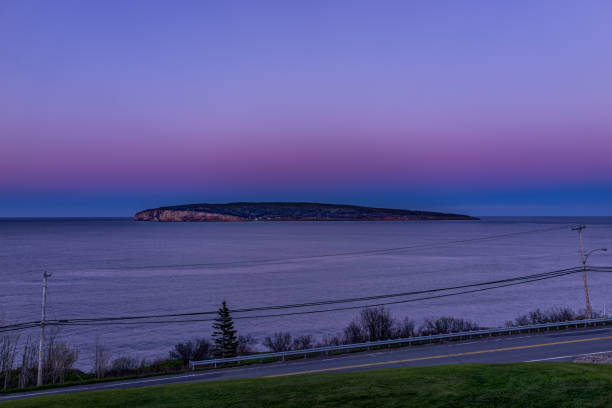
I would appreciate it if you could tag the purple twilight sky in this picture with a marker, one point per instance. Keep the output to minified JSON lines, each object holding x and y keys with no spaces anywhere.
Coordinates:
{"x":483,"y":107}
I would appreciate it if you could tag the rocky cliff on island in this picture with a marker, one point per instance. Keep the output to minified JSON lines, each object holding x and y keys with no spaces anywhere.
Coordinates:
{"x":280,"y":211}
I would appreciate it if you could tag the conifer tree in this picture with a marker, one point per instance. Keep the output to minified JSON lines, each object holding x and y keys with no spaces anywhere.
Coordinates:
{"x":224,"y":334}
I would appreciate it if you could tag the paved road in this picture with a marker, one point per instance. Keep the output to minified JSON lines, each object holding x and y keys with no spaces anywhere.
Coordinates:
{"x":552,"y":346}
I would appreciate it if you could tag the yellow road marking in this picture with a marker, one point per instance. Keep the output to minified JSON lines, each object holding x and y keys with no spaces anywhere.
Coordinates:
{"x":468,"y":353}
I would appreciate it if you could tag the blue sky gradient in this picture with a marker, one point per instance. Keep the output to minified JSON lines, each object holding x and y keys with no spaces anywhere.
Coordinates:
{"x":479,"y":107}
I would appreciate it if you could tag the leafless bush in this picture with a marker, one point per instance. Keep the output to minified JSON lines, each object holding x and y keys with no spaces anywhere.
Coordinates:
{"x":245,"y":345}
{"x":199,"y":349}
{"x":564,"y":314}
{"x":376,"y":323}
{"x":102,"y":357}
{"x":61,"y":359}
{"x":8,"y":352}
{"x":58,"y":357}
{"x":446,"y":325}
{"x":521,"y":320}
{"x":29,"y":360}
{"x":405,"y":328}
{"x":537,"y":316}
{"x":50,"y":339}
{"x":329,"y":340}
{"x":548,"y":316}
{"x":303,"y":342}
{"x":279,"y":341}
{"x":353,"y":333}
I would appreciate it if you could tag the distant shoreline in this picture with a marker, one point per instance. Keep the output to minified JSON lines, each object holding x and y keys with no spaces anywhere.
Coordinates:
{"x":287,"y":211}
{"x":555,"y":219}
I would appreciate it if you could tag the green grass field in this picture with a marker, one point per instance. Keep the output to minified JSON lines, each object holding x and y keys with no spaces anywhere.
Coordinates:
{"x":474,"y":385}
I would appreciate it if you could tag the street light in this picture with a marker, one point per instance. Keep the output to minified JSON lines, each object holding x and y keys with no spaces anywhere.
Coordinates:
{"x":586,"y":257}
{"x":589,"y":313}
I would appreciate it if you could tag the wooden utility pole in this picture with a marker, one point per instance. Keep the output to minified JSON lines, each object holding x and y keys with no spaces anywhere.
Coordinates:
{"x":589,"y":312}
{"x":39,"y":378}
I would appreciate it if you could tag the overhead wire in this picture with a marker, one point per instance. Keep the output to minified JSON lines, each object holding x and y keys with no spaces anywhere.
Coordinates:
{"x":333,"y":301}
{"x":503,"y":282}
{"x":103,"y":323}
{"x":124,"y":320}
{"x":347,"y":253}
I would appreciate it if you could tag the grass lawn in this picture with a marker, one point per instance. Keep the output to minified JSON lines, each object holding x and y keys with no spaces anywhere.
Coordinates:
{"x":473,"y":385}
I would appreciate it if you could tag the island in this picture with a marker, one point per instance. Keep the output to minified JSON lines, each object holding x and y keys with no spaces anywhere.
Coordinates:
{"x":287,"y":211}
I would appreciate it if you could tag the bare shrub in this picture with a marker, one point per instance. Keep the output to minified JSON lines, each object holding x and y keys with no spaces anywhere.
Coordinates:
{"x":29,"y":360}
{"x":537,"y":316}
{"x":405,"y":328}
{"x":329,"y":340}
{"x":444,"y":325}
{"x":548,"y":316}
{"x":376,"y":323}
{"x":203,"y":349}
{"x":8,"y":352}
{"x":279,"y":341}
{"x":303,"y":342}
{"x":102,"y":358}
{"x":61,"y":359}
{"x":353,"y":333}
{"x":50,"y":338}
{"x":522,"y":320}
{"x":199,"y":349}
{"x":564,"y":314}
{"x":245,"y":345}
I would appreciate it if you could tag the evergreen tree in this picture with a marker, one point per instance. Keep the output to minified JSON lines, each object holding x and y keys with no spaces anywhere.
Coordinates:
{"x":224,"y":334}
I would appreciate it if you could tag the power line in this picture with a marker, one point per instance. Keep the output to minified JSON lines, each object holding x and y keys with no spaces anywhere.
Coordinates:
{"x":122,"y":319}
{"x":320,"y":310}
{"x":599,"y":268}
{"x":319,"y":303}
{"x":19,"y":326}
{"x":327,"y":302}
{"x":347,"y":253}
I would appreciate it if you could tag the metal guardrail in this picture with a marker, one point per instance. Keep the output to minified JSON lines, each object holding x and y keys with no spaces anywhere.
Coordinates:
{"x":405,"y":340}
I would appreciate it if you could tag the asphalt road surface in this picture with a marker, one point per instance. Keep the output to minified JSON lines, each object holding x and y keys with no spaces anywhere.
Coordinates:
{"x":549,"y":346}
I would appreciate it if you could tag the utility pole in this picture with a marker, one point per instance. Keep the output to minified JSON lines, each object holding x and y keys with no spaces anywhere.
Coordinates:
{"x":39,"y":378}
{"x":589,"y":312}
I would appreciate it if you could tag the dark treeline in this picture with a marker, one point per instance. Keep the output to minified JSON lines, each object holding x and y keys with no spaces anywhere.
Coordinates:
{"x":58,"y":360}
{"x":19,"y":359}
{"x":549,"y":316}
{"x":372,"y":324}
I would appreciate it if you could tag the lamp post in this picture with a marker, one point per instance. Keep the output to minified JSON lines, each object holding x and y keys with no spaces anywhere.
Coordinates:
{"x":584,"y":258}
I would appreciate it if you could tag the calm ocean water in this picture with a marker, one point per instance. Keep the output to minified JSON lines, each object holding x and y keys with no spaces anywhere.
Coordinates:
{"x":110,"y":267}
